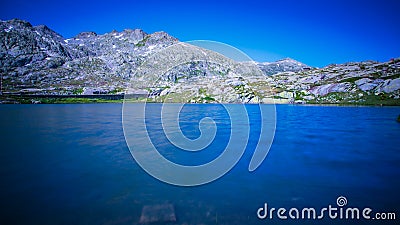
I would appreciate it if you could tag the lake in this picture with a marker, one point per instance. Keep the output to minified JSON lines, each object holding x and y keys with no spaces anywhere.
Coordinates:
{"x":70,"y":164}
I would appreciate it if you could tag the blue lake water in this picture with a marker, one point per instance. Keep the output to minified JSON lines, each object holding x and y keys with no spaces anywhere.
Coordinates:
{"x":70,"y":164}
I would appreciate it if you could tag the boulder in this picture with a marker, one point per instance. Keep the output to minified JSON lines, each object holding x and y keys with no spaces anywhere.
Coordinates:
{"x":328,"y":88}
{"x":391,"y":85}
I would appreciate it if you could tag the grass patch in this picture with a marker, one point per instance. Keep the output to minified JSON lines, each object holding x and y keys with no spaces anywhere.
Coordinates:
{"x":143,"y":42}
{"x":30,"y":100}
{"x":116,"y":90}
{"x":350,"y":79}
{"x":353,"y":99}
{"x":209,"y":99}
{"x":77,"y":91}
{"x":278,"y":97}
{"x":202,"y":91}
{"x":76,"y":100}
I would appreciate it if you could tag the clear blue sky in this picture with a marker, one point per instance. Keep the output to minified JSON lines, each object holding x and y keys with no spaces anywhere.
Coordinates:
{"x":314,"y":32}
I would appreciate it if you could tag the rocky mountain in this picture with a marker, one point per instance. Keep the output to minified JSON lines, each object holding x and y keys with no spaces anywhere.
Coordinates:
{"x":37,"y":60}
{"x":283,"y":65}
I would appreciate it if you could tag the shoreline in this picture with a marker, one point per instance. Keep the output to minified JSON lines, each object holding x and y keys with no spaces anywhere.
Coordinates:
{"x":97,"y":99}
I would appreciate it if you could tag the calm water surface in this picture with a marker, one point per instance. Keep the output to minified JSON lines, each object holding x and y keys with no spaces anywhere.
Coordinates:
{"x":69,"y":164}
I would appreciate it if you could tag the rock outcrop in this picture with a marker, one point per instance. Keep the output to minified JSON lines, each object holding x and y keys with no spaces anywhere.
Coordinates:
{"x":356,"y":82}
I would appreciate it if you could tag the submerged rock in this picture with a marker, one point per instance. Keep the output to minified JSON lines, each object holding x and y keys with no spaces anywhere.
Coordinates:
{"x":163,"y":213}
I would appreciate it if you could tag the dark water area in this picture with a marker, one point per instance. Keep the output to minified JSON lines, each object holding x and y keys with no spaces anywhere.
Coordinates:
{"x":70,"y":164}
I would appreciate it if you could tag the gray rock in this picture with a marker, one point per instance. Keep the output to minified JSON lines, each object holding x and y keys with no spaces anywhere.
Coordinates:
{"x":362,"y":81}
{"x":329,"y":88}
{"x":391,"y":85}
{"x":367,"y":86}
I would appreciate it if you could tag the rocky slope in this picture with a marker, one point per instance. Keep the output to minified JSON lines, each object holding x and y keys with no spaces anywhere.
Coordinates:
{"x":366,"y":82}
{"x":37,"y":60}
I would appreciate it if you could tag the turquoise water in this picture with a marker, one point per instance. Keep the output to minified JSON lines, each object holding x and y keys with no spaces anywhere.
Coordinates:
{"x":69,"y":164}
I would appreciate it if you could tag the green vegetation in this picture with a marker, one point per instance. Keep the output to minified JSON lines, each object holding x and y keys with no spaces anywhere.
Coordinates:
{"x":197,"y":72}
{"x":116,"y":90}
{"x":30,"y":100}
{"x":75,"y":100}
{"x":350,"y":79}
{"x":239,"y":87}
{"x":143,"y":42}
{"x":202,"y":97}
{"x":346,"y":98}
{"x":179,"y":78}
{"x":202,"y":91}
{"x":332,"y":98}
{"x":209,"y":99}
{"x":172,"y":97}
{"x":298,"y":95}
{"x":395,"y":76}
{"x":381,"y":99}
{"x":78,"y":91}
{"x":277,"y":97}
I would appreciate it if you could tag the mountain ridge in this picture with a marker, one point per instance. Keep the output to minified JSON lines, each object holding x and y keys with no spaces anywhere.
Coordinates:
{"x":38,"y":60}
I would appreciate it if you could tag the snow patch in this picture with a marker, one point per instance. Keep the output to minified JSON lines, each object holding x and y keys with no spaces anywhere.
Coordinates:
{"x":8,"y":29}
{"x":118,"y":36}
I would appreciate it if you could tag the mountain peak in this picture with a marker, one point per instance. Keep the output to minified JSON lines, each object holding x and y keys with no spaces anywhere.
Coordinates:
{"x":136,"y":31}
{"x":86,"y":34}
{"x":287,"y":59}
{"x":161,"y":36}
{"x":282,"y":65}
{"x":18,"y":22}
